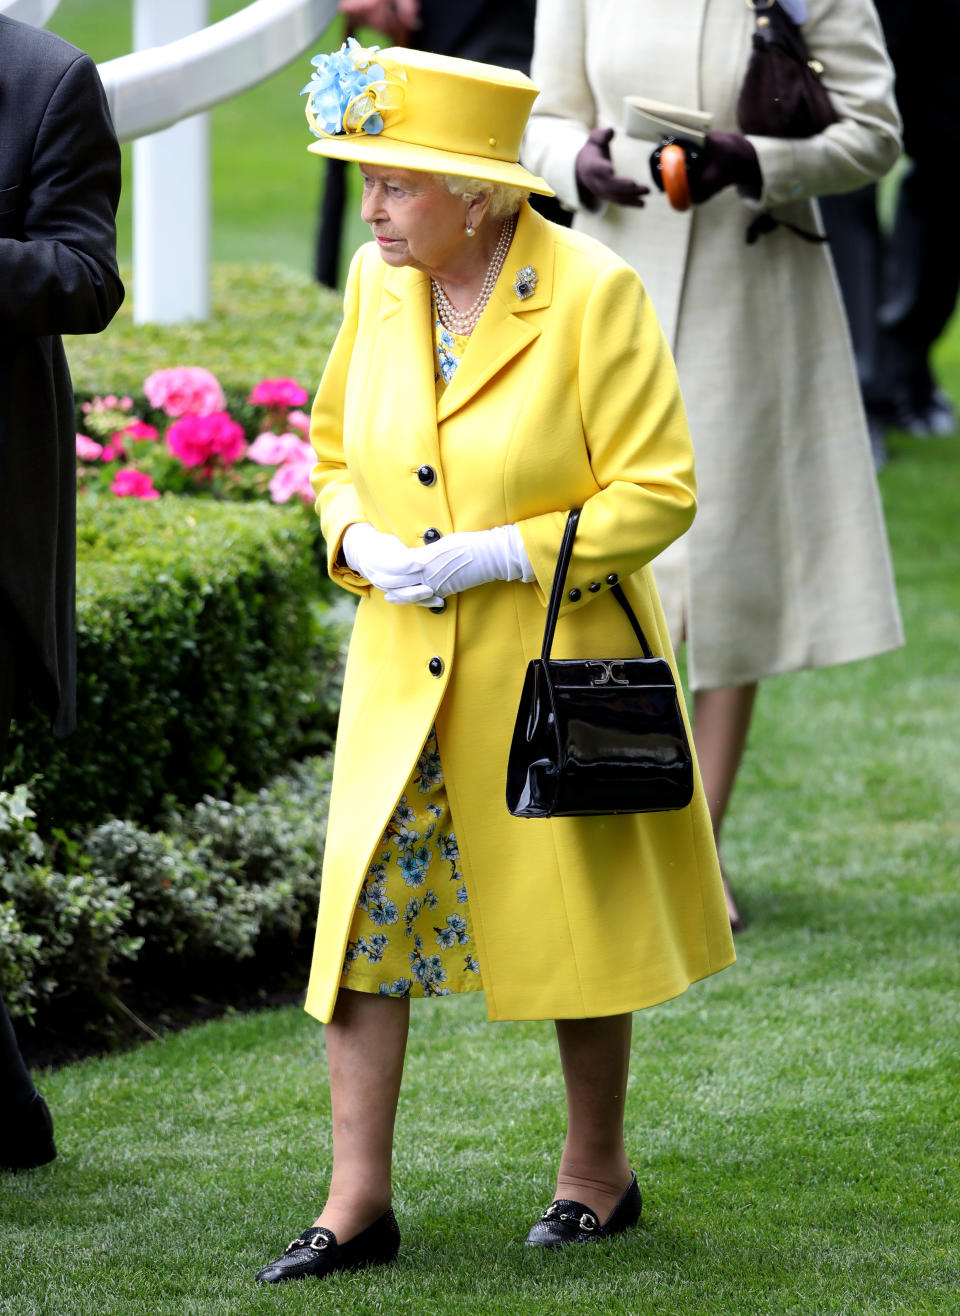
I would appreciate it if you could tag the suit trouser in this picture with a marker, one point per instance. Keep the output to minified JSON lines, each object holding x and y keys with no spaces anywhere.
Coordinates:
{"x":8,"y":678}
{"x":921,"y":280}
{"x":16,"y":1085}
{"x":899,"y":291}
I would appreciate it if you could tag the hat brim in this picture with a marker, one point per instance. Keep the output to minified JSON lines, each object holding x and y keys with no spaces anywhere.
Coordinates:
{"x":379,"y":150}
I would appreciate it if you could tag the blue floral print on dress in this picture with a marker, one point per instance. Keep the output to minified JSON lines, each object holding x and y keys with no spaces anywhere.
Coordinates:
{"x":428,"y":970}
{"x":454,"y":934}
{"x":447,"y":359}
{"x":429,"y":773}
{"x":425,"y":950}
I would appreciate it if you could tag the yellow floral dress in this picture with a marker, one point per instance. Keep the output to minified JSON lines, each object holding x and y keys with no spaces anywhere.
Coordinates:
{"x":411,"y":933}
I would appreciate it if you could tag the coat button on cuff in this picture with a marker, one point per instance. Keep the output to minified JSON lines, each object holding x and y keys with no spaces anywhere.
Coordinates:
{"x":427,"y":475}
{"x":574,"y":595}
{"x":441,"y":606}
{"x":431,"y":536}
{"x":436,"y":666}
{"x":612,"y":578}
{"x":593,"y":586}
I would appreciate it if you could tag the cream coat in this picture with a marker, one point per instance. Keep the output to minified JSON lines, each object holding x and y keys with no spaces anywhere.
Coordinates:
{"x":787,"y":565}
{"x":566,"y":398}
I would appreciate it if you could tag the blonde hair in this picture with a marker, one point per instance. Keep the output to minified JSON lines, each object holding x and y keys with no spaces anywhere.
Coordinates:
{"x":503,"y":199}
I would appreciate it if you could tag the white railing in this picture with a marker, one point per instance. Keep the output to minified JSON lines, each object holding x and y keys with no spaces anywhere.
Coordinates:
{"x":181,"y":75}
{"x":29,"y":11}
{"x":158,"y":95}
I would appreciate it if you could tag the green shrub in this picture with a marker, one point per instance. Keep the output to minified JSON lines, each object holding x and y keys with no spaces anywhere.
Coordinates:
{"x":221,"y":881}
{"x":20,"y":959}
{"x":266,"y":321}
{"x":205,"y":650}
{"x":59,"y":931}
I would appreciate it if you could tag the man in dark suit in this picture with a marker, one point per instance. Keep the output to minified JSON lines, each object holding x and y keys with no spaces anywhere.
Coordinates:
{"x":490,"y":31}
{"x":900,"y":290}
{"x":59,"y":187}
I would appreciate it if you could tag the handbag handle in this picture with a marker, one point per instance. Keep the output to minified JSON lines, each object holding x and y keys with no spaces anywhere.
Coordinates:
{"x":556,"y":593}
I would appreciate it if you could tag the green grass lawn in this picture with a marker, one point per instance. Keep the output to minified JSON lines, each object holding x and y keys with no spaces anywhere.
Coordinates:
{"x":794,"y":1121}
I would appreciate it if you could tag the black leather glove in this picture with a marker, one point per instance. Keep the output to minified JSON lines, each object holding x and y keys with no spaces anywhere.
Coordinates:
{"x":596,"y":181}
{"x":726,"y":159}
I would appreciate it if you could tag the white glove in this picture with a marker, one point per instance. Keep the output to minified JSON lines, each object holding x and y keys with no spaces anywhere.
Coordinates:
{"x":474,"y":557}
{"x":388,"y":564}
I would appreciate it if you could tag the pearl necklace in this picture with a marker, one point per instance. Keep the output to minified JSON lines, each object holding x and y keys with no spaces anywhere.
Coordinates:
{"x":464,"y":322}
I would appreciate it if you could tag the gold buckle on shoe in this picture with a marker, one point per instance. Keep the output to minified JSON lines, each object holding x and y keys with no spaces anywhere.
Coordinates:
{"x":317,"y":1244}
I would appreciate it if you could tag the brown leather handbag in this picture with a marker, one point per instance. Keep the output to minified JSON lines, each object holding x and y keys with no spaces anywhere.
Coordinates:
{"x":782,"y":95}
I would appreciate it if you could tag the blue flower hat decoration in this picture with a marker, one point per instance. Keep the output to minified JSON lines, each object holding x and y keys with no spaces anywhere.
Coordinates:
{"x":349,"y":91}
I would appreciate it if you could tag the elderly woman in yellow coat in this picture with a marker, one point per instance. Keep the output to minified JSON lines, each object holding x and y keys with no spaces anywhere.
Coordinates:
{"x":492,"y":372}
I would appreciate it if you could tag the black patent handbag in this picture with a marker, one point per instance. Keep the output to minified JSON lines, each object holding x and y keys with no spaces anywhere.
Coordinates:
{"x":597,"y":735}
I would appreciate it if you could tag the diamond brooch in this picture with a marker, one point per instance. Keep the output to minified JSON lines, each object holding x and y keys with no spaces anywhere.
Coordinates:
{"x":525,"y":282}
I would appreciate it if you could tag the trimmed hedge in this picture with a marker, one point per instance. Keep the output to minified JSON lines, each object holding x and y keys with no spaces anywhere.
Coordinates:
{"x":207,"y":659}
{"x":266,"y":321}
{"x":128,"y":906}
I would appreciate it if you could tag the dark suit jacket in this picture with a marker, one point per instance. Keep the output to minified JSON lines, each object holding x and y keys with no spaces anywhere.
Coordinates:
{"x":924,"y":46}
{"x":59,"y":187}
{"x":492,"y":31}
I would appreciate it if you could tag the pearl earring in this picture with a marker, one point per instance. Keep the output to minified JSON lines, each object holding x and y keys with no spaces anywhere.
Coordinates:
{"x":470,"y":231}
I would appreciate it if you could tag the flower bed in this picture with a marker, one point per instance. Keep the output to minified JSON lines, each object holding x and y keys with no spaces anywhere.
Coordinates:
{"x":184,"y":437}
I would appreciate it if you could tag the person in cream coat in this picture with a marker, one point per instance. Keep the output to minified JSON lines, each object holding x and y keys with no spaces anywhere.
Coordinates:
{"x":787,"y":564}
{"x":492,"y":372}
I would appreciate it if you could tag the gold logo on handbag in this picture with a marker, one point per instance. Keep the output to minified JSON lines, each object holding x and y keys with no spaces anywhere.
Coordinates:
{"x":607,"y":674}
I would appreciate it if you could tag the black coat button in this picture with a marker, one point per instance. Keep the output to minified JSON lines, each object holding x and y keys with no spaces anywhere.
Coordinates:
{"x":612,"y":578}
{"x":593,"y":586}
{"x":441,"y":606}
{"x":427,"y":475}
{"x":436,"y":666}
{"x":432,"y":535}
{"x":574,"y":595}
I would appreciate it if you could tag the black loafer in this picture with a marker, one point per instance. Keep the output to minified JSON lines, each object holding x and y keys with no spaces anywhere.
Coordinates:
{"x":317,"y":1252}
{"x":566,"y":1222}
{"x":27,"y":1139}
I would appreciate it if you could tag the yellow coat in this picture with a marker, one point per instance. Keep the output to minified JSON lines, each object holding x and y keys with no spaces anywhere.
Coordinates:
{"x":566,"y":398}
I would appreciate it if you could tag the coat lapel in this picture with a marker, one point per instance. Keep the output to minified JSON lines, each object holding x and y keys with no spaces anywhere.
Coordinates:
{"x":405,"y":357}
{"x":507,"y":324}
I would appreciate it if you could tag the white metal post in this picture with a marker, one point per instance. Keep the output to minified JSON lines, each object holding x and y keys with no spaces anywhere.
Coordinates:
{"x":171,"y":189}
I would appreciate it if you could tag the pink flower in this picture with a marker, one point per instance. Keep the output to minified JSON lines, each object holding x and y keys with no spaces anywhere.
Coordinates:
{"x":198,"y":440}
{"x":299,"y":420}
{"x":115,"y":447}
{"x":184,"y":390}
{"x":293,"y":478}
{"x":278,"y":393}
{"x":130,"y":483}
{"x":139,"y":430}
{"x":110,"y":403}
{"x":269,"y":449}
{"x":88,"y":450}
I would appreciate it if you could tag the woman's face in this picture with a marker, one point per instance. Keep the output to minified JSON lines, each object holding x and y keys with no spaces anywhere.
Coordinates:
{"x":414,"y":219}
